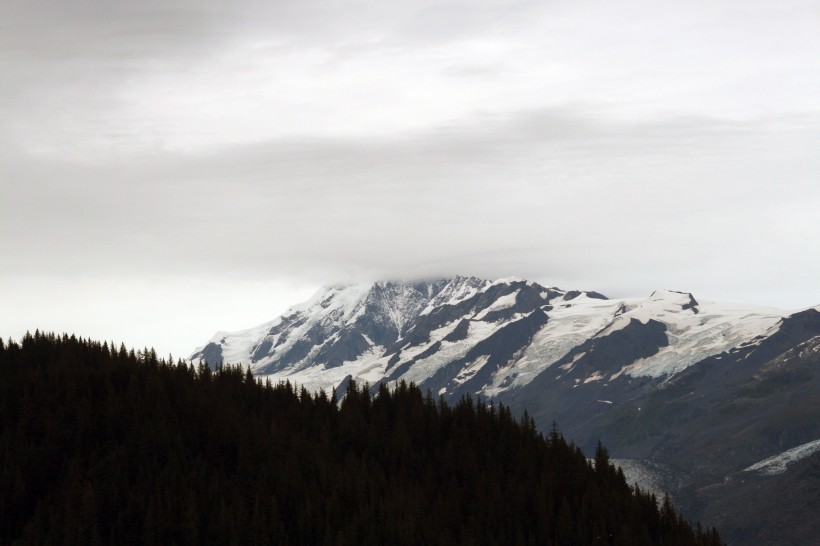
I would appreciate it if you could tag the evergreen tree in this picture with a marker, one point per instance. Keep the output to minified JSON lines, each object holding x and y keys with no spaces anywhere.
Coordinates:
{"x":104,"y":446}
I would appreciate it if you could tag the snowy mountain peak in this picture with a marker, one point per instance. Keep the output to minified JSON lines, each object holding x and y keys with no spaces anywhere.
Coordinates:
{"x":673,"y":297}
{"x":466,"y":334}
{"x":455,"y":291}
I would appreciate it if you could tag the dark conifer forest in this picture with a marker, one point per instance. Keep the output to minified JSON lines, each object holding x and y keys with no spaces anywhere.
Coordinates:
{"x":102,"y":445}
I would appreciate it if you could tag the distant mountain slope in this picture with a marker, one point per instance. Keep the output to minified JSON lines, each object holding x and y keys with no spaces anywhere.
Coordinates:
{"x":706,"y":425}
{"x":471,"y":335}
{"x":693,"y":391}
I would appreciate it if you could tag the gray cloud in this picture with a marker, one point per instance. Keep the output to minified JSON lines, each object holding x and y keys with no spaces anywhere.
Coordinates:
{"x":90,"y":77}
{"x":611,"y":146}
{"x":542,"y":194}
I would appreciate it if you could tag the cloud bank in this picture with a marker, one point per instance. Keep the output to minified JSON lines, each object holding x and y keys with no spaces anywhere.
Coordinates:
{"x":615,"y":147}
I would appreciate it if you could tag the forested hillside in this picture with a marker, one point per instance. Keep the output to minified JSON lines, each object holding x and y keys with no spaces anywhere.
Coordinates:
{"x":108,"y":446}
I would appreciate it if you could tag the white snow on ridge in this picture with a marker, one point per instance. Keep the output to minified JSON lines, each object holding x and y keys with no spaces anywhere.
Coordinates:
{"x":403,"y":307}
{"x":716,"y":328}
{"x":597,"y":376}
{"x":692,"y":336}
{"x":450,"y":351}
{"x":329,"y":304}
{"x":778,"y":464}
{"x":567,"y":326}
{"x":236,"y":345}
{"x":457,"y":290}
{"x":339,"y":299}
{"x":504,"y":302}
{"x":408,"y":351}
{"x":813,"y":344}
{"x":471,"y":369}
{"x":368,"y":368}
{"x":659,"y":305}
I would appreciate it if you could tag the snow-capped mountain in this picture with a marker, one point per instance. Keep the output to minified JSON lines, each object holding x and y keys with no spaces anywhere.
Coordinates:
{"x":468,"y":335}
{"x":702,"y":396}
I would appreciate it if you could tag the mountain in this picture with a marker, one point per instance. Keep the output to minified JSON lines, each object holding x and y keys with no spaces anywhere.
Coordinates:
{"x":469,"y":335}
{"x":688,"y":394}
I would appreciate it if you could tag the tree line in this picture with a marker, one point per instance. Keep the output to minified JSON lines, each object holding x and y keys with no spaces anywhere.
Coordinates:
{"x":105,"y":445}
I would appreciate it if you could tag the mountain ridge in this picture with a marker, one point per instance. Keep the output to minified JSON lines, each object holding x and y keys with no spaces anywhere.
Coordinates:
{"x":385,"y":326}
{"x":687,"y":390}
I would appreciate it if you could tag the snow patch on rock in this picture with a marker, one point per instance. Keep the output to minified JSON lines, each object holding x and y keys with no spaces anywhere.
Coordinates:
{"x":778,"y":464}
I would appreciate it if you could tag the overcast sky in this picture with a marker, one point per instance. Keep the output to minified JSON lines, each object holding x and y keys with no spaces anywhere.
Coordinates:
{"x":172,"y":168}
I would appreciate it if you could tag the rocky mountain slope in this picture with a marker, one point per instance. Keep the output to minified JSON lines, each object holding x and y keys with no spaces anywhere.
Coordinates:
{"x":690,"y":392}
{"x":465,"y":335}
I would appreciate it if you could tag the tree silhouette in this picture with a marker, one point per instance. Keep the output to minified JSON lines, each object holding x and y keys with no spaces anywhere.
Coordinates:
{"x":104,"y":446}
